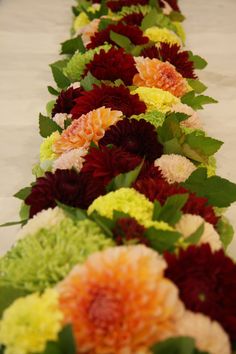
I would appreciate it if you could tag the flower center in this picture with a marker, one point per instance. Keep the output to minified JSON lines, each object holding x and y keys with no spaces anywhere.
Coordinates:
{"x":202,"y":297}
{"x":104,"y":309}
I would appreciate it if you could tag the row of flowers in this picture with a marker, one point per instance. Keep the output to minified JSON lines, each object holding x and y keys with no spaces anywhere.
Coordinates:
{"x":123,"y":244}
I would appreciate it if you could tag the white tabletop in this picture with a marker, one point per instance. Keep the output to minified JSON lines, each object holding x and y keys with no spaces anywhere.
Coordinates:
{"x":30,"y":33}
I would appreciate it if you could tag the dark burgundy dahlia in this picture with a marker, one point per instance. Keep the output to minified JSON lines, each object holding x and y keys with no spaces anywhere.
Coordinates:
{"x":174,"y":55}
{"x":65,"y":186}
{"x":127,"y":230}
{"x":116,"y":98}
{"x":155,"y":188}
{"x":206,"y":282}
{"x":113,"y":65}
{"x":136,"y":137}
{"x":135,"y":19}
{"x":132,"y":32}
{"x":66,"y":100}
{"x":116,"y":5}
{"x":106,"y":163}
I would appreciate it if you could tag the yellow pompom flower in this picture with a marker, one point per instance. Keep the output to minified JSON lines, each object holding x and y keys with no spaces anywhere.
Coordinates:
{"x":156,"y":99}
{"x":158,"y":35}
{"x":30,"y":322}
{"x":129,"y":201}
{"x":46,"y":151}
{"x":80,"y":21}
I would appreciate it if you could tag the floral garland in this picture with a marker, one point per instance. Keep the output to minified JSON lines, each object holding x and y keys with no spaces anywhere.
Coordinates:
{"x":123,"y":242}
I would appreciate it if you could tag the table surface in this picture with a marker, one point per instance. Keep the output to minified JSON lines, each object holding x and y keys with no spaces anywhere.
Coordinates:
{"x":30,"y":33}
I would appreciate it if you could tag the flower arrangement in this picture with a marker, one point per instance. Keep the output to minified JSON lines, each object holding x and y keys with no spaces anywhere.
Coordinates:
{"x":123,"y":240}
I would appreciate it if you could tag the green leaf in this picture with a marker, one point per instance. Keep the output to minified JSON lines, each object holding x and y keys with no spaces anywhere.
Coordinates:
{"x":176,"y":16}
{"x":156,"y":210}
{"x":175,"y":345}
{"x":205,"y":145}
{"x":24,"y":211}
{"x":197,"y":85}
{"x":170,"y":129}
{"x":67,"y":123}
{"x":8,"y":296}
{"x":60,"y":64}
{"x":88,"y":82}
{"x":47,"y":126}
{"x":66,"y":340}
{"x":52,"y":348}
{"x":226,"y":231}
{"x":99,"y":13}
{"x":199,"y":62}
{"x":124,"y":180}
{"x":72,"y":45}
{"x":61,"y":80}
{"x":196,"y":102}
{"x":195,"y":237}
{"x":104,"y":23}
{"x":104,"y":223}
{"x":23,"y":193}
{"x":171,"y":210}
{"x":219,"y":191}
{"x":13,"y":223}
{"x":121,"y":41}
{"x":49,"y":107}
{"x":162,"y":240}
{"x":53,"y":91}
{"x":149,"y":20}
{"x":74,"y":213}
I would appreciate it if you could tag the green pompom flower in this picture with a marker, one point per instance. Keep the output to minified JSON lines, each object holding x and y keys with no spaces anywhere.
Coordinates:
{"x":156,"y":118}
{"x":75,"y":68}
{"x":42,"y":259}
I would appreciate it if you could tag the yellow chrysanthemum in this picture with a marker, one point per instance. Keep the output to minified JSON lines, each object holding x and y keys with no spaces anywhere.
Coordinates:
{"x":156,"y":99}
{"x":30,"y":322}
{"x":158,"y":35}
{"x":46,"y":151}
{"x":80,"y":21}
{"x":129,"y":201}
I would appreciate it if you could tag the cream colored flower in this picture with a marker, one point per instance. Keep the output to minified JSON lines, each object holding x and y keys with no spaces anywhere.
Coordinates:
{"x":88,"y":31}
{"x":209,"y":335}
{"x":193,"y":121}
{"x":73,"y":158}
{"x":175,"y":168}
{"x":60,"y":118}
{"x":189,"y":223}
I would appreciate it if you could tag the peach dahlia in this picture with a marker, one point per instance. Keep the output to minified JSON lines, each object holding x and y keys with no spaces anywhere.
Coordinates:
{"x":119,"y":301}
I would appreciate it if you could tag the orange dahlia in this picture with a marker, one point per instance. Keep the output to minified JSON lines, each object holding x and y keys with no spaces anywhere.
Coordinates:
{"x":89,"y":127}
{"x":163,"y":75}
{"x":119,"y":301}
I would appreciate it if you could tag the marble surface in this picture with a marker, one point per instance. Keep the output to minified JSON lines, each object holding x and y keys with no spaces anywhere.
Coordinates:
{"x":30,"y":33}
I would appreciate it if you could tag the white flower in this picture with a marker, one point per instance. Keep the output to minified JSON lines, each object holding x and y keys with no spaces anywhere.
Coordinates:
{"x":189,"y":223}
{"x":73,"y":158}
{"x":75,"y":85}
{"x":209,"y":335}
{"x":60,"y":118}
{"x":175,"y":168}
{"x":193,"y":121}
{"x":45,"y":219}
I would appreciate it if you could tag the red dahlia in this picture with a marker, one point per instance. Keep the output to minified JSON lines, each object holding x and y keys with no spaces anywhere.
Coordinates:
{"x":132,"y":32}
{"x":157,"y":188}
{"x":113,"y":65}
{"x":207,"y":283}
{"x":66,"y":100}
{"x":116,"y":5}
{"x":129,"y":230}
{"x":116,"y":98}
{"x":174,"y":55}
{"x":106,"y":163}
{"x":135,"y":18}
{"x":136,"y":137}
{"x":65,"y":186}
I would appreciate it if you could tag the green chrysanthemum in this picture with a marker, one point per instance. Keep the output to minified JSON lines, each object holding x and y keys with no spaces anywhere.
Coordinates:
{"x":127,"y":10}
{"x":42,"y":259}
{"x":75,"y":68}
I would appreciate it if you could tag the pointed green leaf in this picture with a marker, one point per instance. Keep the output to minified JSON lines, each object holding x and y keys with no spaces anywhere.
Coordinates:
{"x":66,"y":341}
{"x":219,"y":191}
{"x":197,"y":85}
{"x":74,"y":213}
{"x":121,"y":41}
{"x":88,"y":82}
{"x":199,"y":62}
{"x":202,"y":144}
{"x":195,"y":237}
{"x":61,"y":80}
{"x":162,"y":240}
{"x":124,"y":180}
{"x":8,"y":296}
{"x":72,"y":45}
{"x":176,"y":16}
{"x":156,"y":210}
{"x":53,"y":91}
{"x":149,"y":20}
{"x":226,"y":231}
{"x":196,"y":102}
{"x":175,"y":345}
{"x":104,"y":223}
{"x":47,"y":126}
{"x":23,"y":193}
{"x":171,"y":210}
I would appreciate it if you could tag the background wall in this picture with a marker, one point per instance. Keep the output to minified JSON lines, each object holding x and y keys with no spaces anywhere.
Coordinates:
{"x":30,"y":33}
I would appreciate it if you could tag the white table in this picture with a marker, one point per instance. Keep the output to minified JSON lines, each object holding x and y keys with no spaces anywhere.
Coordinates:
{"x":30,"y":33}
